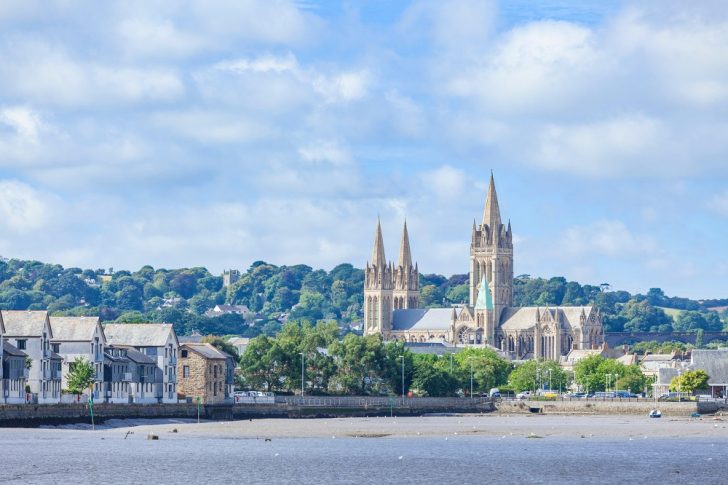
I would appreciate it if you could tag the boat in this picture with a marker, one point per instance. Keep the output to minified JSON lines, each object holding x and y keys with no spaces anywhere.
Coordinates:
{"x":655,"y":413}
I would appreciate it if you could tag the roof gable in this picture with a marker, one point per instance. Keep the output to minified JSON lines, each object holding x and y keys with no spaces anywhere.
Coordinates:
{"x":140,"y":334}
{"x":206,"y":350}
{"x":76,"y":329}
{"x":26,"y":323}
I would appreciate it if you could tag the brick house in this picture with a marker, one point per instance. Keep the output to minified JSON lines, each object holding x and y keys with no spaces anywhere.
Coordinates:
{"x":201,"y":372}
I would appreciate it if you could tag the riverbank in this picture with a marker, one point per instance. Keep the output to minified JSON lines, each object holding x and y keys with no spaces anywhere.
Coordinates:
{"x":450,"y":427}
{"x":429,"y":449}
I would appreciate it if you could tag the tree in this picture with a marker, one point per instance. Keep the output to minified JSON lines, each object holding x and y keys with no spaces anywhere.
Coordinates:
{"x":690,"y":381}
{"x":80,"y":375}
{"x":488,"y":369}
{"x":594,"y":373}
{"x":431,"y":378}
{"x":530,"y":375}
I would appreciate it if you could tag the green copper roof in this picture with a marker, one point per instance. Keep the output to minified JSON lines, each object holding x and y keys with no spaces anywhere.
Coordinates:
{"x":484,"y":300}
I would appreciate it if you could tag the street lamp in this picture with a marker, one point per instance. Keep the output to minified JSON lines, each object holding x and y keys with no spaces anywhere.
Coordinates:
{"x":402,"y":357}
{"x":550,"y":388}
{"x":302,"y":367}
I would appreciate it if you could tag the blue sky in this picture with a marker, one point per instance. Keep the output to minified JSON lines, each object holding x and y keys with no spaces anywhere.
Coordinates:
{"x":216,"y":133}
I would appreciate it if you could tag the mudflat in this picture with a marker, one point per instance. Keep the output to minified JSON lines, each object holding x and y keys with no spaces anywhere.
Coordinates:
{"x":495,"y":425}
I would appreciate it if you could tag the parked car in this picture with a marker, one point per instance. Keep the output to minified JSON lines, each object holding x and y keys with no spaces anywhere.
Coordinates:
{"x":523,"y":395}
{"x":576,"y":395}
{"x":495,"y":393}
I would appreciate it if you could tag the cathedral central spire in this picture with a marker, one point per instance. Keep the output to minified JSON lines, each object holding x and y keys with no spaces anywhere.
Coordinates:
{"x":491,"y":213}
{"x":405,"y":255}
{"x":378,"y":258}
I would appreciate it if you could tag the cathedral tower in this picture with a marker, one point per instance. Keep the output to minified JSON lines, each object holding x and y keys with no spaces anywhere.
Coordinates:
{"x":406,"y":277}
{"x":491,"y":267}
{"x":378,"y":288}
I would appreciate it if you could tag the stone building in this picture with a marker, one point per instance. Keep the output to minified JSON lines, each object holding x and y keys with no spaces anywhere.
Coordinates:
{"x":391,"y":301}
{"x":202,"y":372}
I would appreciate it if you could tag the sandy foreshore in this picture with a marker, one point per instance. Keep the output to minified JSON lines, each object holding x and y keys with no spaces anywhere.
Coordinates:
{"x":500,"y":426}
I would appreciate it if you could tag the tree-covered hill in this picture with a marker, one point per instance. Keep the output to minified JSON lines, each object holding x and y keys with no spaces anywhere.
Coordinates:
{"x":275,"y":294}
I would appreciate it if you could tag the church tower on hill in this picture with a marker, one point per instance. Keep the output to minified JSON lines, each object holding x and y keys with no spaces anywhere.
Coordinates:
{"x":491,"y":267}
{"x":392,"y":303}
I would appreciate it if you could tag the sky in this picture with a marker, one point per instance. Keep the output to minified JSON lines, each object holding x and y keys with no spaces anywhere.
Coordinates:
{"x":221,"y":132}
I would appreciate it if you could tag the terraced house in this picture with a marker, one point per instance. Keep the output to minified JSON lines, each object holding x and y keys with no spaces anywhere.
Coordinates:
{"x":30,"y":332}
{"x":13,"y":371}
{"x":158,"y":341}
{"x":79,"y":337}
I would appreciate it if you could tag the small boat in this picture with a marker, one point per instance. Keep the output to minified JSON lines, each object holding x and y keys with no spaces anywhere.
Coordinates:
{"x":655,"y":413}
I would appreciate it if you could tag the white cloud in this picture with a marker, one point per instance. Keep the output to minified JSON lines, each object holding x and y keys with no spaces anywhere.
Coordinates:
{"x":24,"y":121}
{"x":22,"y":208}
{"x":47,"y":74}
{"x":266,"y":63}
{"x":328,"y":152}
{"x":446,"y":182}
{"x":343,"y":87}
{"x":606,"y":237}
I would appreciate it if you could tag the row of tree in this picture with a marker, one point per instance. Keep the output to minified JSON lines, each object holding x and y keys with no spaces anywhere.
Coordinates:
{"x":275,"y":293}
{"x":315,"y":358}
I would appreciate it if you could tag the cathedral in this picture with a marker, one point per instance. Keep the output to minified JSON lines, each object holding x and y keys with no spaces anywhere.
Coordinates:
{"x":392,"y":301}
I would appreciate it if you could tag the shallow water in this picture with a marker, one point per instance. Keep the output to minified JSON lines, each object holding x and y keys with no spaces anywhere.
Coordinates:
{"x":73,"y":456}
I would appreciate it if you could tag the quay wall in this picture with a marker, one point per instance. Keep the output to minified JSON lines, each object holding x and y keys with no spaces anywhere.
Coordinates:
{"x":600,"y":407}
{"x":28,"y":415}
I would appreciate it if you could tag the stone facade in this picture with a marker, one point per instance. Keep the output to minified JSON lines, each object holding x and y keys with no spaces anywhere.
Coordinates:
{"x":391,"y":303}
{"x":201,"y":372}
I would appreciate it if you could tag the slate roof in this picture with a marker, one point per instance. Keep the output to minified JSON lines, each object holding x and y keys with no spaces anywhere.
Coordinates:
{"x":24,"y":323}
{"x":523,"y":318}
{"x":423,"y":319}
{"x":138,"y":357}
{"x":239,"y":341}
{"x":714,"y":362}
{"x":138,"y":334}
{"x":12,"y":350}
{"x":190,"y":339}
{"x":74,"y":329}
{"x":206,"y":350}
{"x":115,"y":358}
{"x":658,"y":357}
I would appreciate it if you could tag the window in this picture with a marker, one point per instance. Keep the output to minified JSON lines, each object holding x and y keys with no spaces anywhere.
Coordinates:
{"x":186,"y":371}
{"x":56,"y":347}
{"x":21,"y":344}
{"x":184,"y":354}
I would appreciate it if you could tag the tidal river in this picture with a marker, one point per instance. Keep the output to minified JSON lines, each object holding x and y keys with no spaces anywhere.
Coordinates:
{"x":405,"y":450}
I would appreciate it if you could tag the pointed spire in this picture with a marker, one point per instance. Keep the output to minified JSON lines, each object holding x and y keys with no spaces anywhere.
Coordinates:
{"x":491,"y":214}
{"x":484,"y":300}
{"x":378,"y":258}
{"x":405,"y":255}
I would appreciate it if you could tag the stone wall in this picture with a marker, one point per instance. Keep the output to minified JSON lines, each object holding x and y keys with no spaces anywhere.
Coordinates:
{"x":23,"y":415}
{"x":201,"y":382}
{"x":597,"y":407}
